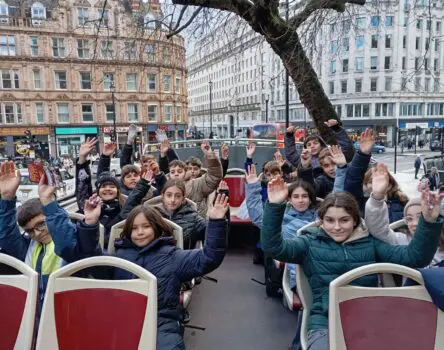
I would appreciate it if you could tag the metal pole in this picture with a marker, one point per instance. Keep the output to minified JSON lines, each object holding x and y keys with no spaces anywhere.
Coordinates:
{"x":305,"y":119}
{"x":287,"y":88}
{"x":114,"y":137}
{"x":266,"y":110}
{"x":442,"y":141}
{"x":237,"y":117}
{"x":416,"y":136}
{"x":396,"y":147}
{"x":211,"y":108}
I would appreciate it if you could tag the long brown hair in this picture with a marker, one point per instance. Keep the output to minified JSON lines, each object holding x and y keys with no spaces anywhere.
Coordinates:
{"x":156,"y":221}
{"x":307,"y":188}
{"x":394,"y":192}
{"x":342,"y":200}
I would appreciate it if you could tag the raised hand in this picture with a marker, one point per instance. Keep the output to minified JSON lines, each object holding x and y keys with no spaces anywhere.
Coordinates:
{"x":148,"y":175}
{"x":251,"y":148}
{"x":46,"y":192}
{"x":9,"y":180}
{"x":306,"y":158}
{"x":86,"y":148}
{"x":164,"y":147}
{"x":219,"y":208}
{"x":366,"y":141}
{"x":251,"y":176}
{"x":222,"y":185}
{"x":93,"y":209}
{"x":224,"y":151}
{"x":430,"y":204}
{"x":206,"y":148}
{"x":331,"y":122}
{"x":278,"y":158}
{"x":380,"y":181}
{"x":337,"y":156}
{"x":292,"y":129}
{"x":277,"y":191}
{"x":109,"y":148}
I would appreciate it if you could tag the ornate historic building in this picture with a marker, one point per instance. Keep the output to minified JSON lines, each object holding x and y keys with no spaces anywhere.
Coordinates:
{"x":61,"y":61}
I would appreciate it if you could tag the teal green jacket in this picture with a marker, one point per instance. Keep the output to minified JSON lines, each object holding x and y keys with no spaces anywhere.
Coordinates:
{"x":323,"y":259}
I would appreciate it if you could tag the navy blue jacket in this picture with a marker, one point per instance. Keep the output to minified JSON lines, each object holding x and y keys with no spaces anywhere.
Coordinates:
{"x":323,"y":184}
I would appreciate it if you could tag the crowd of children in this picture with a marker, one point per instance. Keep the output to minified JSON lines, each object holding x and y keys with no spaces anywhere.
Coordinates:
{"x":351,"y":203}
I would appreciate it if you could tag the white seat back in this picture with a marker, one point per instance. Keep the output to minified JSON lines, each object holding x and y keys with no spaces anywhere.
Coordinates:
{"x":81,"y":313}
{"x":81,"y":217}
{"x":18,"y":304}
{"x":117,"y":229}
{"x":367,"y":318}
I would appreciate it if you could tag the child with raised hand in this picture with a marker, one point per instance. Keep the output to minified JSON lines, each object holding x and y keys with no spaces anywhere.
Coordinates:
{"x":51,"y":239}
{"x":339,"y":243}
{"x":377,"y":216}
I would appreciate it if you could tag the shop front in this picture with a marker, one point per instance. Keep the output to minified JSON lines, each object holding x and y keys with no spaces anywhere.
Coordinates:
{"x":122,"y":134}
{"x":69,"y":139}
{"x":174,"y":132}
{"x":13,"y":142}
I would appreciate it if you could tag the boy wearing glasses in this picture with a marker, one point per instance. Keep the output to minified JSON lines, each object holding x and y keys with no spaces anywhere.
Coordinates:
{"x":51,"y":239}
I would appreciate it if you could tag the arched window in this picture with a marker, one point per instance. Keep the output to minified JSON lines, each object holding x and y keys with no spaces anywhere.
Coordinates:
{"x":38,"y":11}
{"x":149,"y":21}
{"x":3,"y":8}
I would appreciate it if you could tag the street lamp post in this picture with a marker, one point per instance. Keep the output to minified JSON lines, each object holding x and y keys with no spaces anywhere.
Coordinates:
{"x":266,"y":110}
{"x":211,"y":109}
{"x":287,"y":83}
{"x":113,"y":88}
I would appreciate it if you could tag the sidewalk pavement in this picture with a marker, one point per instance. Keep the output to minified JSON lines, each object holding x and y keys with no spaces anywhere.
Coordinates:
{"x":407,"y":183}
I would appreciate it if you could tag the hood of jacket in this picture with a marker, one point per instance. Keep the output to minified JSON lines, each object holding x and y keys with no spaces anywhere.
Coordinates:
{"x":318,"y":231}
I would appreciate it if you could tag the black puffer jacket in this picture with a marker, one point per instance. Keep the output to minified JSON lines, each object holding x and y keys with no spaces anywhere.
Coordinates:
{"x":187,"y":217}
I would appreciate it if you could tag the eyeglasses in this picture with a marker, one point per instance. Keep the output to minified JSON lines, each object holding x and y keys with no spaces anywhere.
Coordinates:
{"x":411,"y":219}
{"x":40,"y":226}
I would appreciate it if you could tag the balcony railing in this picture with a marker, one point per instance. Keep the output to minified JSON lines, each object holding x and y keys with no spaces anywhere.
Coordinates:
{"x":22,"y":22}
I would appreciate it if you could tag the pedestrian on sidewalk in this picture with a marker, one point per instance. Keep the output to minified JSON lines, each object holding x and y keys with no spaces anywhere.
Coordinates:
{"x":417,"y":166}
{"x":434,"y":180}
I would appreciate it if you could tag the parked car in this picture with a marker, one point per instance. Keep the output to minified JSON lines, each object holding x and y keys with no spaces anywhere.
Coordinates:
{"x":375,"y":148}
{"x":28,"y":189}
{"x":114,"y":167}
{"x":435,"y":145}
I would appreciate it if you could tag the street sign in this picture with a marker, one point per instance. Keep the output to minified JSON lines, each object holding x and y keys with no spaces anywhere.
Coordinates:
{"x":414,"y":125}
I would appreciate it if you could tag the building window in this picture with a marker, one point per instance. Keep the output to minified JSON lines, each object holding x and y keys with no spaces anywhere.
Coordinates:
{"x":4,"y":10}
{"x":85,"y":80}
{"x":58,"y":47}
{"x":103,"y":18}
{"x":37,"y":79}
{"x":9,"y":79}
{"x":438,"y":27}
{"x":374,"y":62}
{"x":403,"y":65}
{"x":345,"y":44}
{"x":384,"y":109}
{"x":334,"y":46}
{"x":436,"y":86}
{"x":62,"y":113}
{"x":333,"y":67}
{"x":60,"y":78}
{"x":107,"y":49}
{"x":108,"y":79}
{"x":83,"y":48}
{"x":429,"y":25}
{"x":345,"y":65}
{"x":39,"y":113}
{"x":167,"y":113}
{"x":435,"y":108}
{"x":87,"y":113}
{"x":418,"y":43}
{"x":366,"y":110}
{"x":389,"y":21}
{"x":360,"y":21}
{"x":349,"y":111}
{"x":404,"y":42}
{"x":411,"y":109}
{"x":436,"y":64}
{"x":403,"y":84}
{"x":373,"y":84}
{"x":38,"y":11}
{"x":374,"y":41}
{"x":149,"y":21}
{"x":151,"y":82}
{"x":419,"y":24}
{"x":387,"y":61}
{"x":374,"y":21}
{"x":416,"y":63}
{"x":331,"y":87}
{"x":166,"y":83}
{"x":358,"y":85}
{"x":152,"y":113}
{"x":427,"y":43}
{"x":358,"y":110}
{"x":82,"y":16}
{"x":388,"y":84}
{"x":437,"y":45}
{"x":343,"y":86}
{"x":360,"y":42}
{"x":178,"y":114}
{"x":427,"y":85}
{"x":132,"y":112}
{"x":130,"y":51}
{"x":166,"y":55}
{"x":7,"y":45}
{"x":359,"y":63}
{"x":406,"y":21}
{"x":34,"y":46}
{"x":131,"y":82}
{"x":388,"y":41}
{"x":109,"y":113}
{"x":417,"y":84}
{"x":12,"y":113}
{"x":150,"y":53}
{"x":177,"y":86}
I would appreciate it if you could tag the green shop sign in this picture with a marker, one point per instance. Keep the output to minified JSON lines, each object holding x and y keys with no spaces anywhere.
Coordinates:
{"x":76,"y":131}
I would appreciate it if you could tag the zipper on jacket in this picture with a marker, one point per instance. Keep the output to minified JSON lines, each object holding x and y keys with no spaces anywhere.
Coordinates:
{"x":39,"y":269}
{"x":345,"y":252}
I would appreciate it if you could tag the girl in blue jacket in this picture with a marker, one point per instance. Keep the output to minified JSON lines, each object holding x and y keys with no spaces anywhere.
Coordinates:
{"x":148,"y":241}
{"x":340,"y":242}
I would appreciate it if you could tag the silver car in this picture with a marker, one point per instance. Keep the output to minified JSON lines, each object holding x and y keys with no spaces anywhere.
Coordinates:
{"x":114,"y":167}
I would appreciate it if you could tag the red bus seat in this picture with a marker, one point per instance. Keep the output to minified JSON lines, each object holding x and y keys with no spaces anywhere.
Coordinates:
{"x":236,"y":187}
{"x":367,"y":318}
{"x":18,"y":302}
{"x":81,"y":313}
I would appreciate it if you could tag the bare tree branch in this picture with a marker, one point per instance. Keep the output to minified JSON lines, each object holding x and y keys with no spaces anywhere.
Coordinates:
{"x":178,"y":29}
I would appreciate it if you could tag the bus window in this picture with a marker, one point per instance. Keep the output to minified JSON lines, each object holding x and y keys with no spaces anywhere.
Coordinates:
{"x":265,"y":131}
